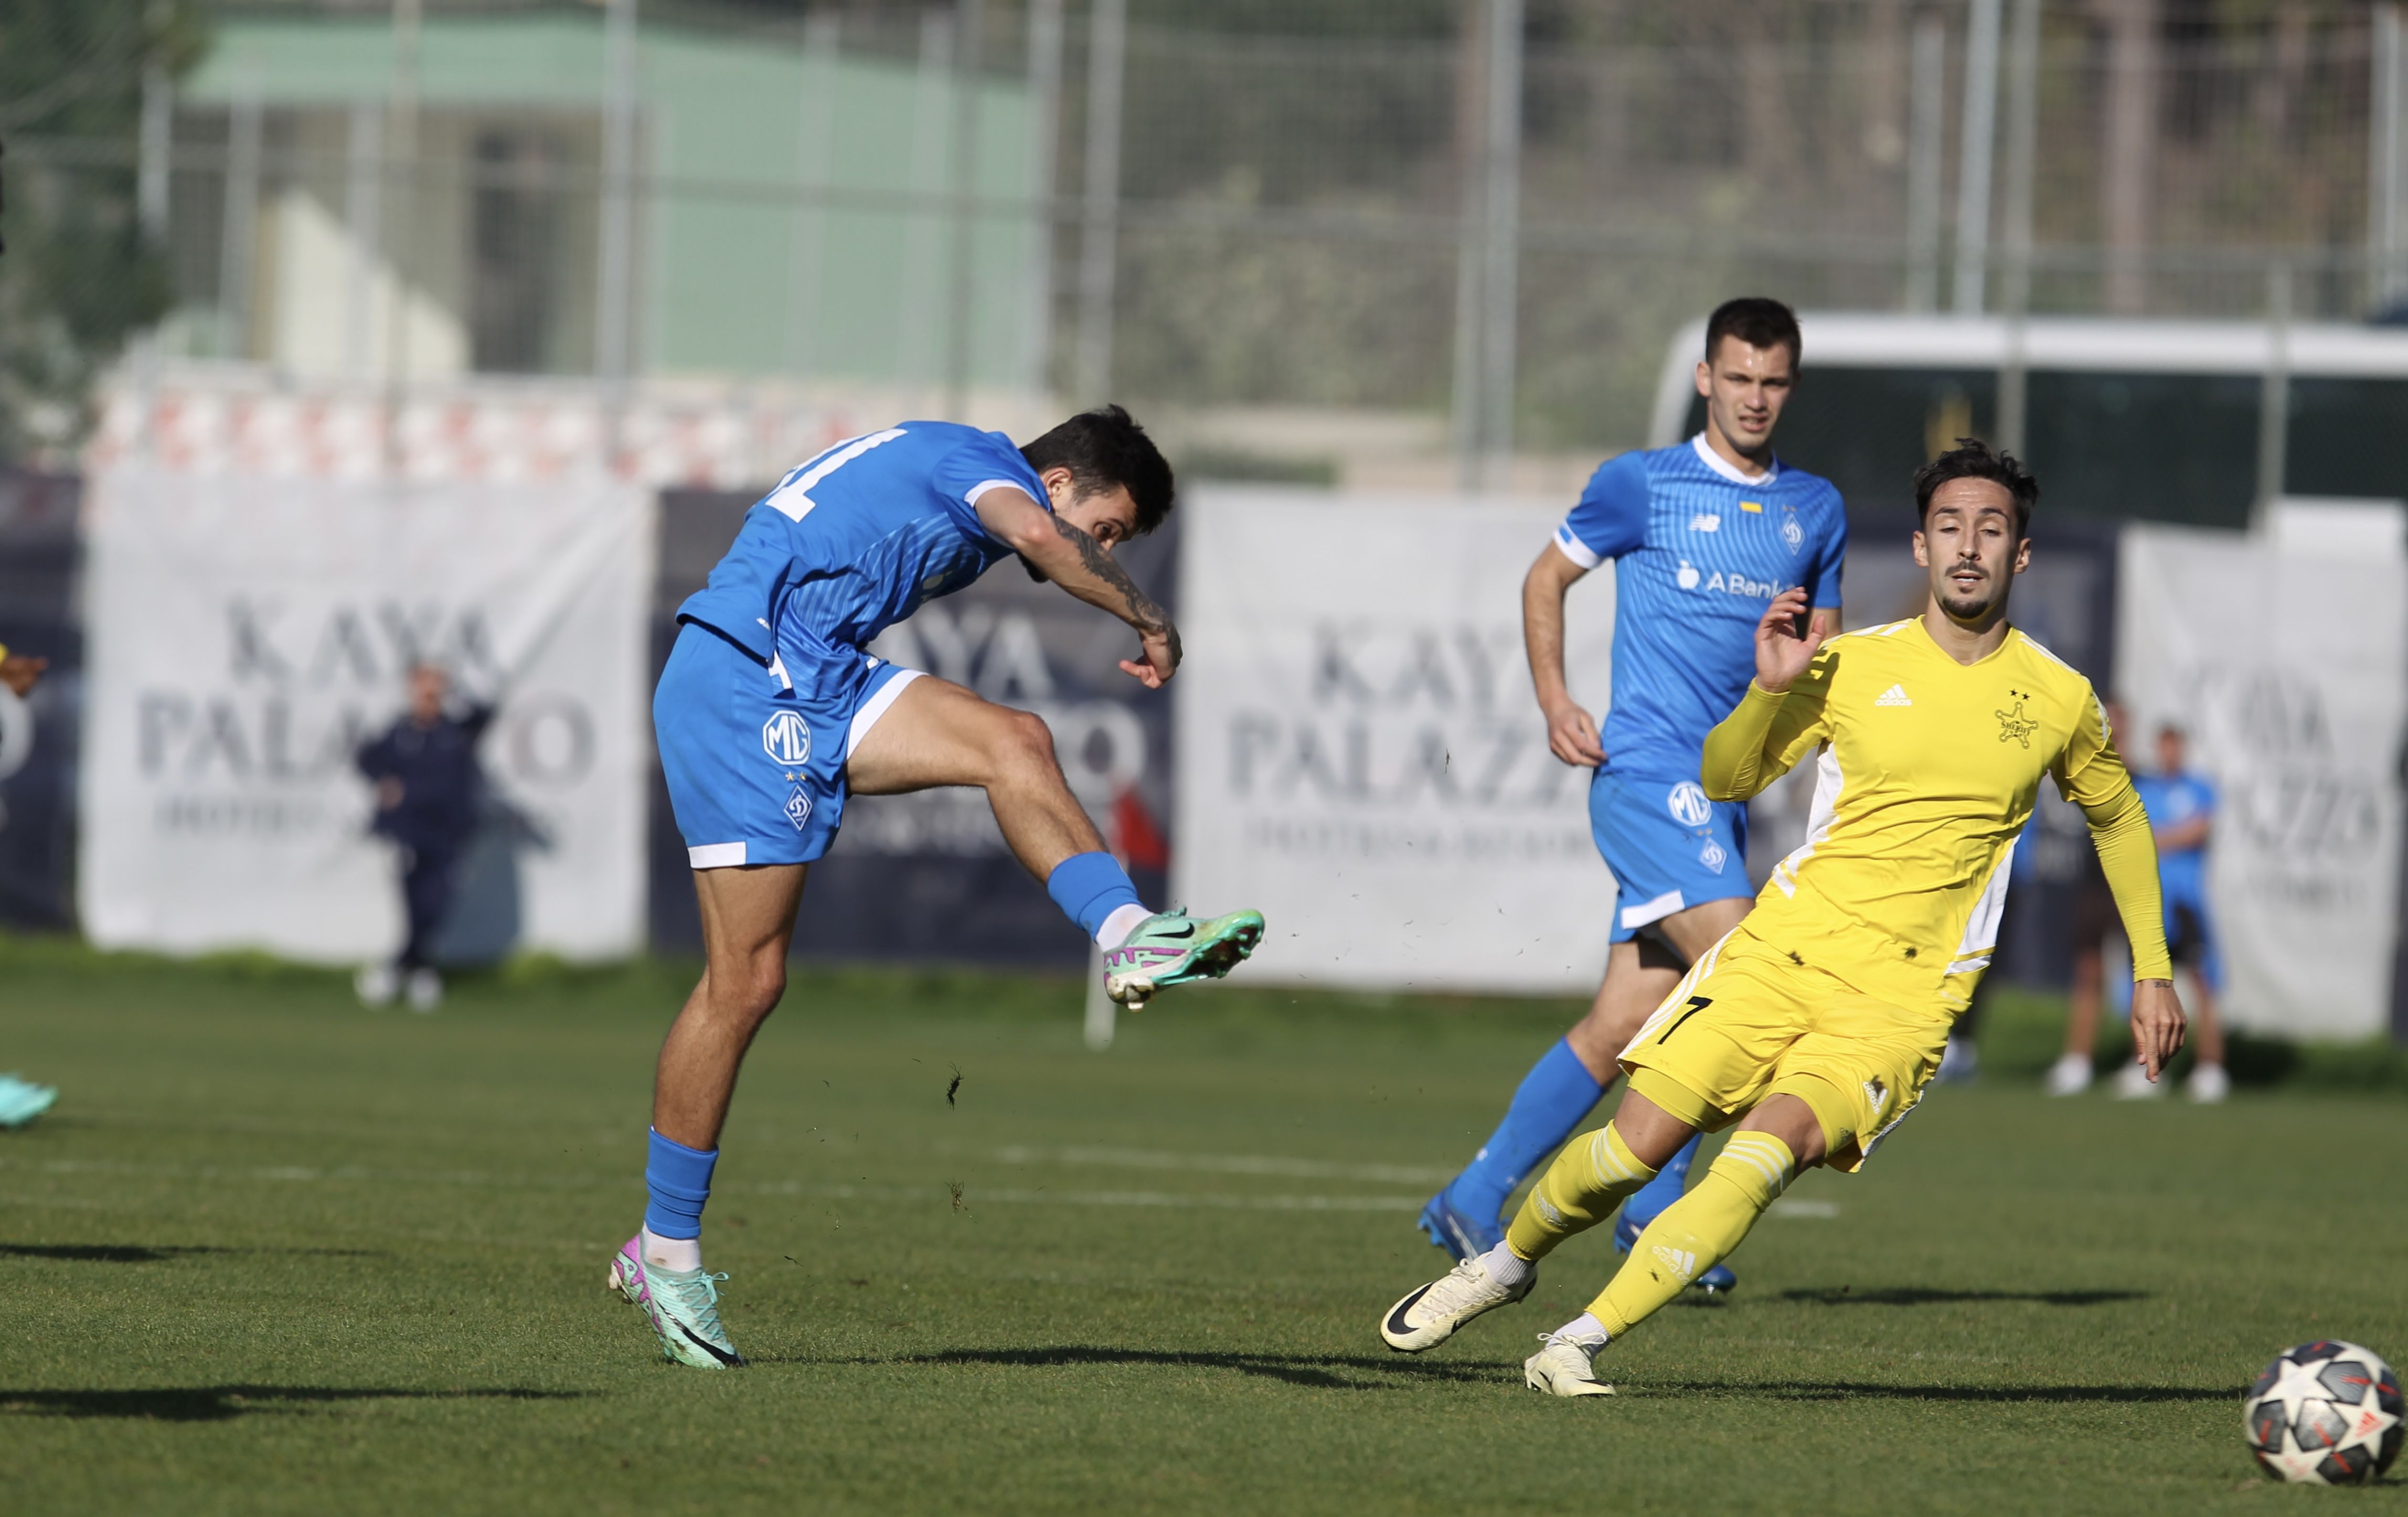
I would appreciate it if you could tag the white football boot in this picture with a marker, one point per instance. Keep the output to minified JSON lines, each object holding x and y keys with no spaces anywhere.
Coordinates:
{"x":1564,"y":1366}
{"x":2134,"y":1084}
{"x":1428,"y":1316}
{"x":425,"y":989}
{"x":2069,"y":1076}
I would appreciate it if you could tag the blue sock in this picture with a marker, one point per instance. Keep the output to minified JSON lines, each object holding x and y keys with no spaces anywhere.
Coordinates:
{"x":1670,"y":1184}
{"x":1089,"y":887}
{"x":679,"y":1179}
{"x":1554,"y":1096}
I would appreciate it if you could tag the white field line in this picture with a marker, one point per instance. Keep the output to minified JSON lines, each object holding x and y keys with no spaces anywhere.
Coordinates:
{"x":1227,"y":1164}
{"x":972,"y":1195}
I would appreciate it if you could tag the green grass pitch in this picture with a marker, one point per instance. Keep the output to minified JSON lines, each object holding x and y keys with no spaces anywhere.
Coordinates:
{"x":273,"y":1254}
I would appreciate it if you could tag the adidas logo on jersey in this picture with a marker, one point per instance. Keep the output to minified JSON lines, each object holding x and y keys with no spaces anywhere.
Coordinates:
{"x":1894,"y":695}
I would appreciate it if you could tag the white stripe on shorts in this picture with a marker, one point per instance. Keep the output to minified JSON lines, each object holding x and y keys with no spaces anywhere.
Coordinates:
{"x":875,"y":707}
{"x":716,"y":856}
{"x":1636,"y":917}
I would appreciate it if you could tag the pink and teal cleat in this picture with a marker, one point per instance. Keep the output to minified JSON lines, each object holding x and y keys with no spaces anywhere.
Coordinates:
{"x":683,"y":1306}
{"x":1171,"y":948}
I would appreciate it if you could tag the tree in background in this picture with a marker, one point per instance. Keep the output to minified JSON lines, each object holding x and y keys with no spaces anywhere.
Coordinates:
{"x":79,"y":278}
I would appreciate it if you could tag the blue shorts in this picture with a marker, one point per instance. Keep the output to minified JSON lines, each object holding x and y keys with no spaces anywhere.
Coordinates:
{"x":1667,"y":846}
{"x":2190,"y":935}
{"x":756,"y":757}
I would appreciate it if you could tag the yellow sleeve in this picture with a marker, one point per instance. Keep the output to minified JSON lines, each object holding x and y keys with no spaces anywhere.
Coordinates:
{"x":2091,"y":774}
{"x":1765,"y":737}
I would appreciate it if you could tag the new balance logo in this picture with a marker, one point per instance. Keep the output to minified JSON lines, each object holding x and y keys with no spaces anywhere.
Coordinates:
{"x":1894,"y":695}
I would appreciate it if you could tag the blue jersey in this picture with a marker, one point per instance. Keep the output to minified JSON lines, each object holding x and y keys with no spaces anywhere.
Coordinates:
{"x":2171,"y":800}
{"x":861,"y":536}
{"x":1700,"y":551}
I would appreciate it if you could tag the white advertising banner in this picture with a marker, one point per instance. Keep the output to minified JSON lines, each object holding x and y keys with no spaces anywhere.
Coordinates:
{"x":1359,"y":754}
{"x":2289,"y":672}
{"x":247,"y":634}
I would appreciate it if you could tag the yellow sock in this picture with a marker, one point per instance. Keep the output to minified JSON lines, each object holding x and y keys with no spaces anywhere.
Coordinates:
{"x":1699,"y":1231}
{"x":1587,"y":1180}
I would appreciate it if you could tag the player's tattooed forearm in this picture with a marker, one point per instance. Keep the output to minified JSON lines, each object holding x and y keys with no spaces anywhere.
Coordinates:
{"x":1143,"y":612}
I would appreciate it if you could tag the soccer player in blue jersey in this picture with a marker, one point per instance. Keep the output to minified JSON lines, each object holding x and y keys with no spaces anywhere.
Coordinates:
{"x":1703,"y":536}
{"x":770,"y":713}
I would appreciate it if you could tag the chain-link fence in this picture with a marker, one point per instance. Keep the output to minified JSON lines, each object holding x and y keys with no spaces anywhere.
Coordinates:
{"x":1476,"y":213}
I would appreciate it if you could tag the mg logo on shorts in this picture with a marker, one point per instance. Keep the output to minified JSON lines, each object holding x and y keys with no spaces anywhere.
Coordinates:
{"x":1688,"y":805}
{"x":787,"y":739}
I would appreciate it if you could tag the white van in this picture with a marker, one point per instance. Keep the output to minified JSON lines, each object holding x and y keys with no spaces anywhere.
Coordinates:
{"x":2151,"y":419}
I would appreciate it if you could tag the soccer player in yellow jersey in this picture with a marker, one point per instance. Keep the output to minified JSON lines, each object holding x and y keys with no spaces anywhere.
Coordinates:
{"x":1815,"y":1024}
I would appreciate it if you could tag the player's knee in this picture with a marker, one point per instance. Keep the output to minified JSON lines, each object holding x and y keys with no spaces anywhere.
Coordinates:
{"x":765,"y":982}
{"x":751,"y":986}
{"x":1025,"y":744}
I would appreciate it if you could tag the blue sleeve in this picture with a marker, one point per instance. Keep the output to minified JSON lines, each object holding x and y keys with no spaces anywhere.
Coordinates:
{"x":1611,"y":517}
{"x":965,"y":471}
{"x":2153,"y":801}
{"x":1823,"y":586}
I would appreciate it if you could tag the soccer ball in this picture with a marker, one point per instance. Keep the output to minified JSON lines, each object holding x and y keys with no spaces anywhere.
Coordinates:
{"x":2325,"y":1413}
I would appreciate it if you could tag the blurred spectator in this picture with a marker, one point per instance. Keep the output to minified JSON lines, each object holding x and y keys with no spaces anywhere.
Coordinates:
{"x":20,"y":1100}
{"x":428,"y":786}
{"x":2182,"y":812}
{"x":2180,"y":807}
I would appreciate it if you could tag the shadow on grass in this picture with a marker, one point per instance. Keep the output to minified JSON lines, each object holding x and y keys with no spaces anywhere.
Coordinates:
{"x":1909,"y":1296}
{"x":1799,"y":1390}
{"x":154,"y":1254}
{"x":1335,"y":1372}
{"x":223,"y":1403}
{"x":1320,"y":1372}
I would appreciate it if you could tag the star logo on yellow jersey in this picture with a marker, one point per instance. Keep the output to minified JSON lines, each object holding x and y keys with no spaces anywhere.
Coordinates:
{"x":2013,"y":726}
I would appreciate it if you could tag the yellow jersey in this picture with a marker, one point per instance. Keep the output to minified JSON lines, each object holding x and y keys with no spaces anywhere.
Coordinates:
{"x":1928,"y":770}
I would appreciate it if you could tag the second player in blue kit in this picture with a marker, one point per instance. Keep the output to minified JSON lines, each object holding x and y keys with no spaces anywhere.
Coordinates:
{"x":1703,"y":536}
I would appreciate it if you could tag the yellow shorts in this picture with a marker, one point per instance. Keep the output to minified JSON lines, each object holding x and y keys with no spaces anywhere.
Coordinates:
{"x":1747,"y":1022}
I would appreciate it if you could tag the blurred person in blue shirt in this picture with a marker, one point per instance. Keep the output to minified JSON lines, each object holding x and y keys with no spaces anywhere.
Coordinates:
{"x":427,"y":790}
{"x":2181,"y":804}
{"x":2182,"y":813}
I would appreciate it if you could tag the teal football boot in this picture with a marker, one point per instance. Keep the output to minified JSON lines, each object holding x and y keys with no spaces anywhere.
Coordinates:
{"x":1171,"y":948}
{"x":21,"y":1100}
{"x":682,"y":1305}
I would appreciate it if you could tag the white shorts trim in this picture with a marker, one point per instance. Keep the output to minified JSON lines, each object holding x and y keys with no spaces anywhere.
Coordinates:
{"x":1636,"y":917}
{"x":716,"y":856}
{"x":874,"y":708}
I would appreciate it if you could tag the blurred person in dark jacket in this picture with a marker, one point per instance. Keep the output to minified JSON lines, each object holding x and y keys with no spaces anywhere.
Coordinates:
{"x":20,"y":1100}
{"x":427,"y":790}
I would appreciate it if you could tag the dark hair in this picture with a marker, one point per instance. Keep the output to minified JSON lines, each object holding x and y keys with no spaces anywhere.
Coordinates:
{"x":1757,"y":320}
{"x":1972,"y":459}
{"x":1104,"y":448}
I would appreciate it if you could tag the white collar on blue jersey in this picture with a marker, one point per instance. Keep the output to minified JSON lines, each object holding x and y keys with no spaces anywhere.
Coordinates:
{"x":1728,"y":470}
